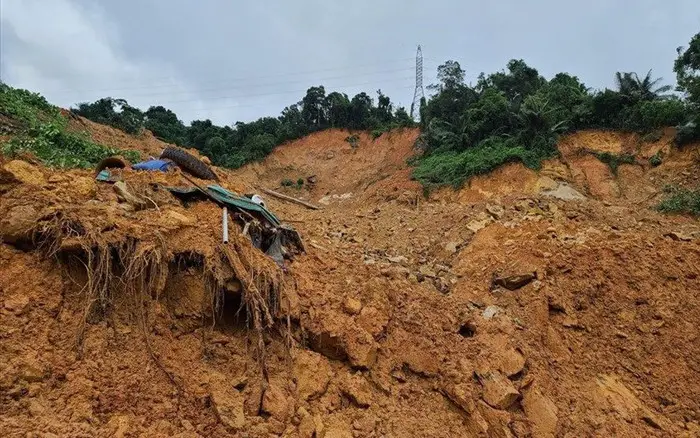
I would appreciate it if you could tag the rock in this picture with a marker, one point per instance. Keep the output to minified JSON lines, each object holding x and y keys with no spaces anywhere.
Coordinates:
{"x":361,"y":348}
{"x":373,"y":320}
{"x":564,"y":192}
{"x":312,"y":372}
{"x":679,"y":236}
{"x":366,"y":424}
{"x":514,"y":282}
{"x":358,"y":390}
{"x":398,"y":259}
{"x":228,"y":405}
{"x":499,"y":392}
{"x":511,"y":362}
{"x":338,"y":431}
{"x":542,"y":414}
{"x":124,"y":195}
{"x":307,"y":426}
{"x":452,"y":247}
{"x":19,"y":171}
{"x":461,"y":395}
{"x":35,"y":408}
{"x":120,"y":425}
{"x":180,"y":219}
{"x":495,"y":211}
{"x":352,"y":306}
{"x":491,"y":311}
{"x":16,"y":225}
{"x":83,"y":186}
{"x":479,"y":224}
{"x":32,"y":370}
{"x":205,"y":160}
{"x":17,"y":304}
{"x":427,"y":271}
{"x":395,"y":272}
{"x":275,"y":403}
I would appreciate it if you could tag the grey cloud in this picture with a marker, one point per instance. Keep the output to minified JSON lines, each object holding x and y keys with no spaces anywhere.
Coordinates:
{"x":239,"y":60}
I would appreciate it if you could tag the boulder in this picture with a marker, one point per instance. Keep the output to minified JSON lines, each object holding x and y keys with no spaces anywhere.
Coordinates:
{"x":358,"y":390}
{"x":511,"y":362}
{"x":228,"y":405}
{"x":499,"y":392}
{"x":16,"y":224}
{"x":542,"y":414}
{"x":352,"y":306}
{"x":312,"y":372}
{"x":18,"y":171}
{"x":276,"y":403}
{"x":361,"y":348}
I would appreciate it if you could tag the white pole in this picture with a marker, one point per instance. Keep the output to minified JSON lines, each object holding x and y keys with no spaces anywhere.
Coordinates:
{"x":225,"y":225}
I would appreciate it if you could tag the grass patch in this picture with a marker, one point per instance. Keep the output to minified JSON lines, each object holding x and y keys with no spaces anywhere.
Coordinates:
{"x":613,"y":160}
{"x":454,"y":168}
{"x":682,"y":201}
{"x":45,"y":135}
{"x":354,"y":141}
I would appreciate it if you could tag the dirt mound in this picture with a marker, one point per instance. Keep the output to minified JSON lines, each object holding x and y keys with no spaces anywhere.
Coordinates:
{"x":510,"y":308}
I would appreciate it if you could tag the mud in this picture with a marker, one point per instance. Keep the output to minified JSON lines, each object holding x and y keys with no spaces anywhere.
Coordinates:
{"x":390,"y":325}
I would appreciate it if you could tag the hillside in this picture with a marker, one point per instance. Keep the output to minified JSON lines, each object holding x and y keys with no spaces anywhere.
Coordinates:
{"x":393,"y":323}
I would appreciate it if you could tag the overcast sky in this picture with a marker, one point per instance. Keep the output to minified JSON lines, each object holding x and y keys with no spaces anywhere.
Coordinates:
{"x":231,"y":60}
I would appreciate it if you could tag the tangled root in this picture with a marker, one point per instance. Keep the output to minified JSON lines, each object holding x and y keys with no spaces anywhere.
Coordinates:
{"x":137,"y":270}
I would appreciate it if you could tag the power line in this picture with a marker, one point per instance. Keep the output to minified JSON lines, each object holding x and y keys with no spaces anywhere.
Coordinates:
{"x":259,"y":105}
{"x":219,"y":89}
{"x":170,"y":78}
{"x":199,"y":99}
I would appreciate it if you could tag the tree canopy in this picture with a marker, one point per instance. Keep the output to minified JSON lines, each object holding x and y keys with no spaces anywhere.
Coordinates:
{"x":234,"y":146}
{"x":513,"y":114}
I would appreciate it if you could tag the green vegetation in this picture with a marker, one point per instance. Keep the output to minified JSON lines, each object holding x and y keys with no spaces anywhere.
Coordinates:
{"x":614,"y":160}
{"x":517,"y":115}
{"x":44,"y":133}
{"x":681,"y":201}
{"x":511,"y":115}
{"x":287,"y":182}
{"x":234,"y":146}
{"x":687,"y":68}
{"x":354,"y":140}
{"x":655,"y":160}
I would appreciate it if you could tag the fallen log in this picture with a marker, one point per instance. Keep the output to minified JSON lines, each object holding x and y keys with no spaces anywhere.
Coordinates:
{"x":290,"y":199}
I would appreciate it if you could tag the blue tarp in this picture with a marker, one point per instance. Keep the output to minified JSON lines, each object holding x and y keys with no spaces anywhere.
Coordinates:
{"x":160,"y":165}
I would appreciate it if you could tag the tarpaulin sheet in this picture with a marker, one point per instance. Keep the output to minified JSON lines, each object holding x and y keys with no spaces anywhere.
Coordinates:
{"x":225,"y":197}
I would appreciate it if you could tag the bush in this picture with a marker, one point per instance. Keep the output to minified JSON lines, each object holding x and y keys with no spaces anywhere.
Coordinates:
{"x":681,"y":201}
{"x":300,"y":182}
{"x":614,"y":161}
{"x":455,"y":168}
{"x":688,"y":133}
{"x":655,"y":160}
{"x":353,"y":140}
{"x":287,"y":182}
{"x":45,"y":133}
{"x":654,"y":114}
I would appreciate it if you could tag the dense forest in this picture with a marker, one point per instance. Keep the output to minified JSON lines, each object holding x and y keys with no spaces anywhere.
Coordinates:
{"x":233,"y":146}
{"x":467,"y":129}
{"x":517,"y":114}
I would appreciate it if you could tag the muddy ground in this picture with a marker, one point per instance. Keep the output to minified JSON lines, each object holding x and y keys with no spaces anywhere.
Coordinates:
{"x":402,"y":319}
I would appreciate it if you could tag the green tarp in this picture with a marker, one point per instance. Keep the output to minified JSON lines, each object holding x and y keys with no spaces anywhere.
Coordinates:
{"x":227,"y":198}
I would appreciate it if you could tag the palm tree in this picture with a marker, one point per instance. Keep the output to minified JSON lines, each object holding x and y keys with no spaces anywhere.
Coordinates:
{"x":630,"y":85}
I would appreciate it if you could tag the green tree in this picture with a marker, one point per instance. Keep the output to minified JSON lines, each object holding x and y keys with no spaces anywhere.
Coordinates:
{"x":314,"y":108}
{"x":638,"y":90}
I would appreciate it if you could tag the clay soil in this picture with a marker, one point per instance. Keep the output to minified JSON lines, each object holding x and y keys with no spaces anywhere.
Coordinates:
{"x":391,"y":324}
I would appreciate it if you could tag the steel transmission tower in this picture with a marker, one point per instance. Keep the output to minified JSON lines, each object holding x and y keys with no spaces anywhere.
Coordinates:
{"x":418,"y":94}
